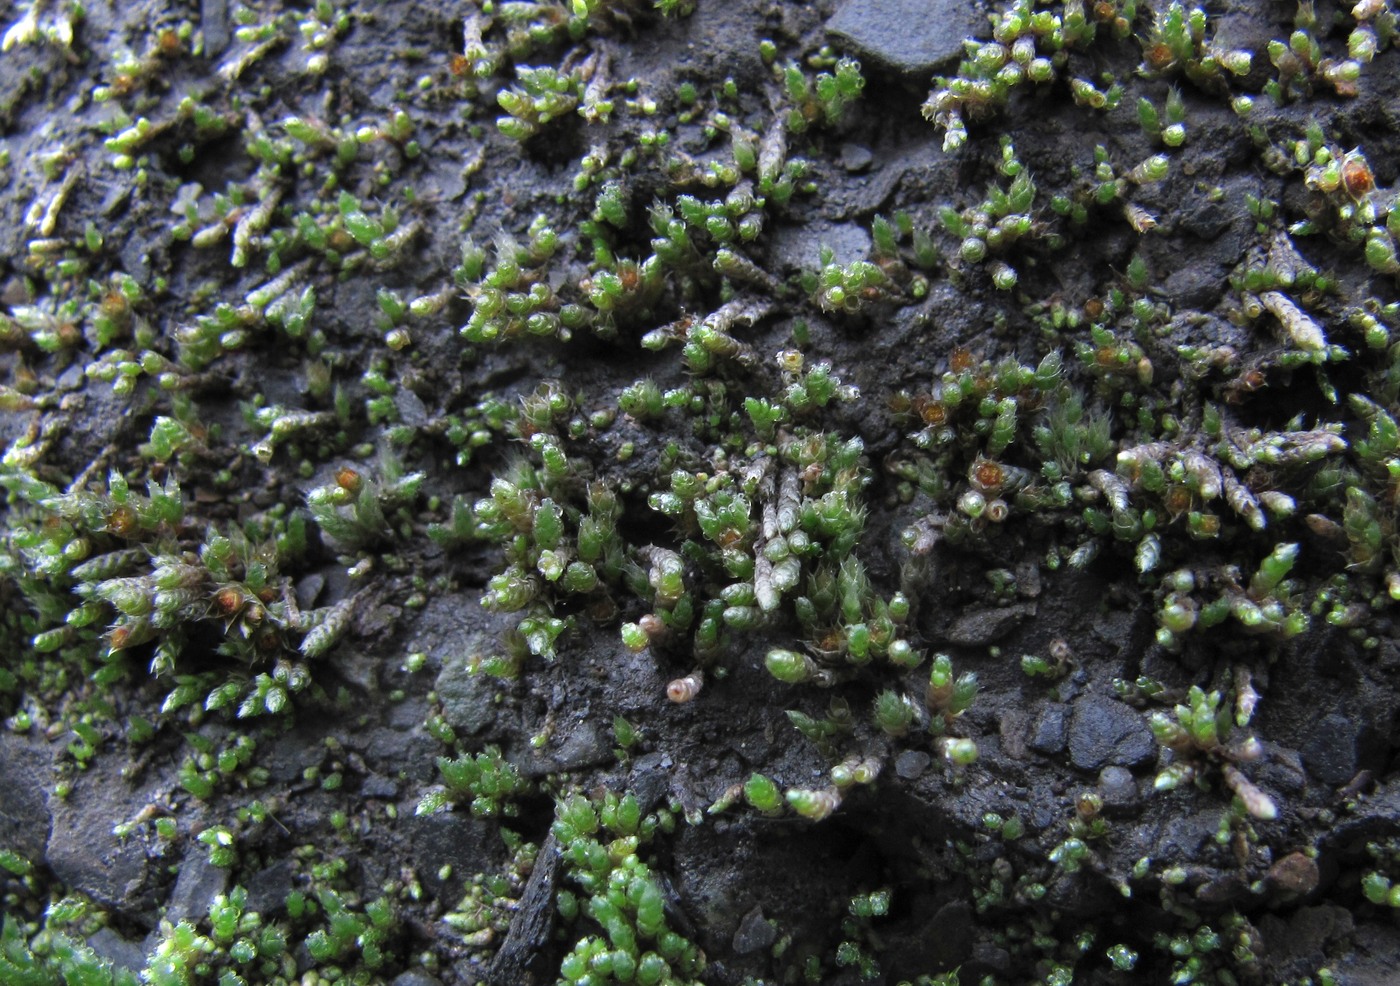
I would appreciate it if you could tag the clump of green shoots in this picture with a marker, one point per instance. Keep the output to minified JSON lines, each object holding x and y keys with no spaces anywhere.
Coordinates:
{"x":990,"y":228}
{"x":486,"y":783}
{"x":539,"y":96}
{"x":845,"y":287}
{"x":947,"y":698}
{"x":824,"y":100}
{"x":1301,"y":63}
{"x":1028,"y":45}
{"x":618,"y":904}
{"x":1176,"y":43}
{"x":1198,"y":734}
{"x":355,"y":509}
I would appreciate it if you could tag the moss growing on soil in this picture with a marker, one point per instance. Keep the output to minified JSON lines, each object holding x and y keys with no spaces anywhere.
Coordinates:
{"x":777,"y":519}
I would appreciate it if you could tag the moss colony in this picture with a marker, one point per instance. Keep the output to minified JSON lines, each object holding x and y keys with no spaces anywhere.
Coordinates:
{"x":589,"y":491}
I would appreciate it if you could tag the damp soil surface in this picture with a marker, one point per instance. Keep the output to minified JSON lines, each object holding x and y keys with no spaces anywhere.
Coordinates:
{"x":1067,"y":756}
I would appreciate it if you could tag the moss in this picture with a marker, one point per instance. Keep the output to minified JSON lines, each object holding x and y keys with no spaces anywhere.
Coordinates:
{"x":738,"y":505}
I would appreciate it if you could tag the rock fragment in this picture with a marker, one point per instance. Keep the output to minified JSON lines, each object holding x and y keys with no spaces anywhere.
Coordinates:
{"x":1103,"y":731}
{"x":911,"y":37}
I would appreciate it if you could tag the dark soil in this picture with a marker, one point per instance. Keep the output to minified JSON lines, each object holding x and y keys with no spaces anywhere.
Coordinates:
{"x":1071,"y":756}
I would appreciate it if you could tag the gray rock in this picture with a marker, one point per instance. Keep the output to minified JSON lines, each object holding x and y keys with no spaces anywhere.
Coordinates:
{"x":650,"y":781}
{"x":717,"y":34}
{"x":448,"y":838}
{"x":1202,"y":217}
{"x":797,"y":246}
{"x":1239,"y":26}
{"x":1330,"y":753}
{"x":415,"y":977}
{"x":1377,"y":817}
{"x":198,"y":883}
{"x":1183,"y":838}
{"x":1081,"y":893}
{"x":1103,"y":731}
{"x":1307,"y":933}
{"x":989,"y":959}
{"x":72,"y":378}
{"x":1222,"y":240}
{"x":410,"y":406}
{"x":1114,"y":627}
{"x":1029,"y":584}
{"x":213,"y":21}
{"x":121,"y":952}
{"x":856,"y":157}
{"x":1282,"y":771}
{"x":468,"y":700}
{"x":25,"y":773}
{"x":523,"y":958}
{"x":98,"y":415}
{"x":84,"y":854}
{"x":268,"y":887}
{"x":911,"y":37}
{"x":985,"y":626}
{"x":1048,"y":733}
{"x":1368,"y":958}
{"x":1117,"y":787}
{"x":953,"y":943}
{"x":911,"y":764}
{"x":1195,"y":286}
{"x":1223,"y":888}
{"x":135,"y":254}
{"x":583,"y":746}
{"x":308,"y":589}
{"x":359,"y":667}
{"x":1041,"y":816}
{"x":379,"y":786}
{"x":754,"y":934}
